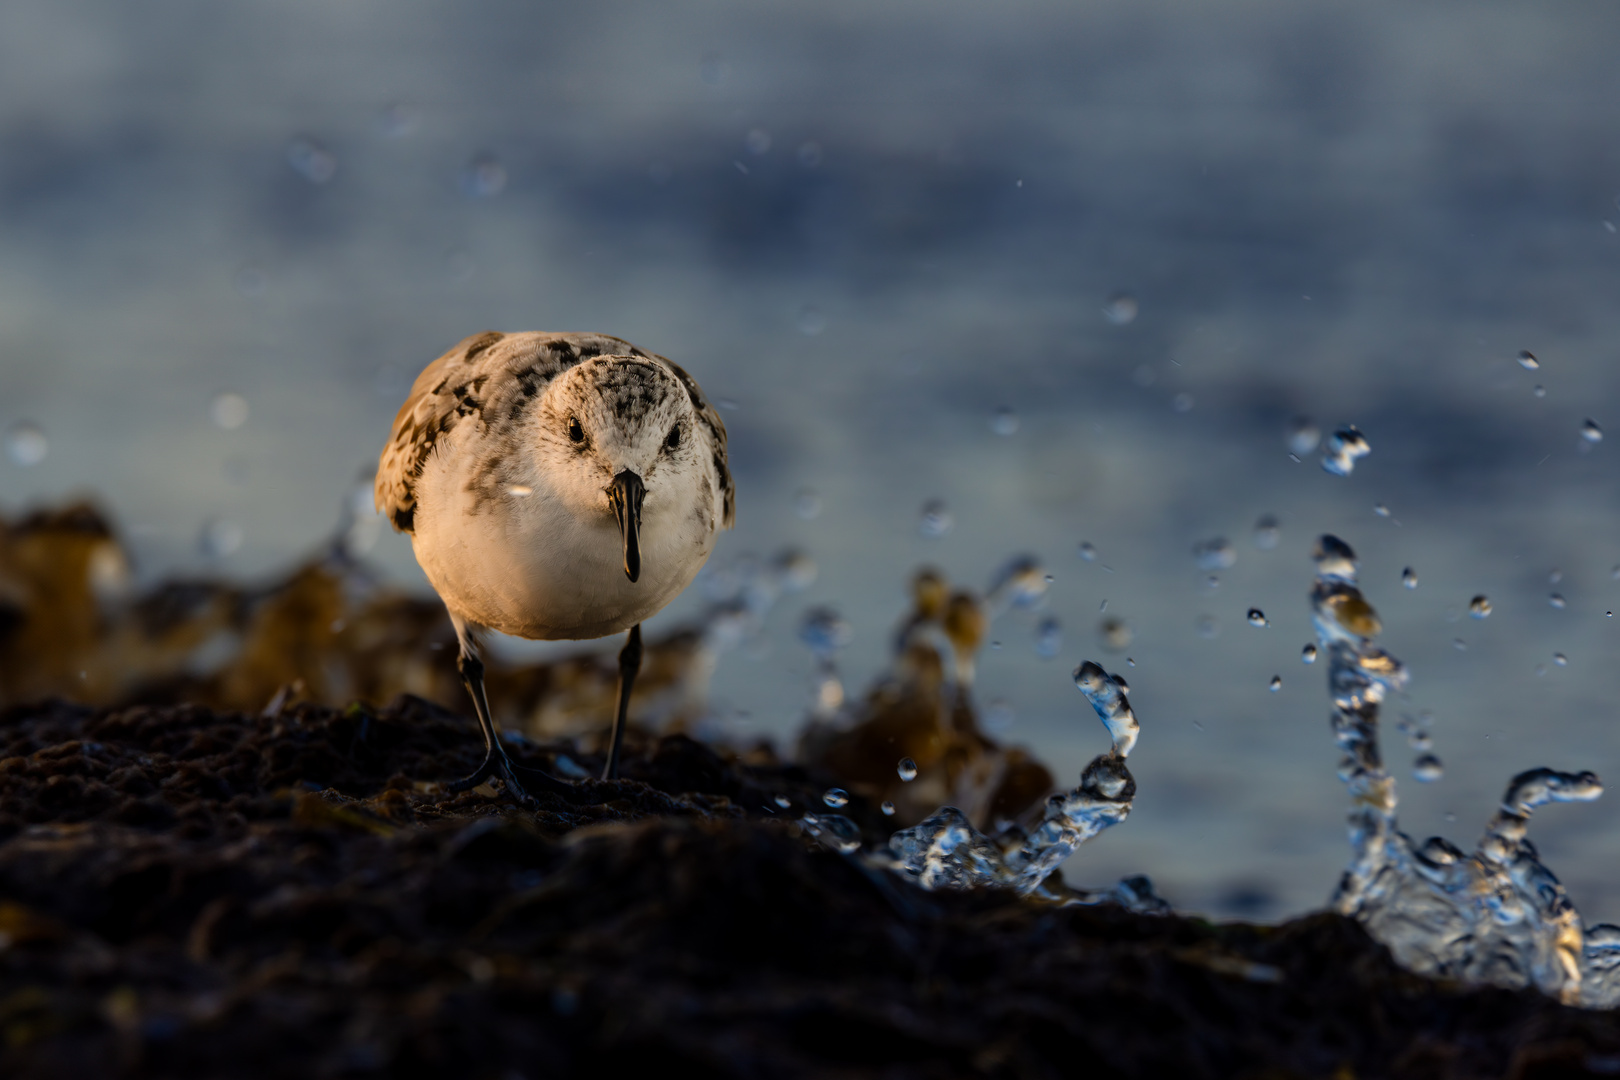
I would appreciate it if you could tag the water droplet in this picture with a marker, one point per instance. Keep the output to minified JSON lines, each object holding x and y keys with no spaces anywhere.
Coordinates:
{"x":887,"y":807}
{"x":1539,"y":391}
{"x":1527,"y":360}
{"x":1556,"y":601}
{"x":1182,"y":402}
{"x":1276,"y":683}
{"x":1048,"y":638}
{"x":1428,"y":768}
{"x":757,"y":141}
{"x":1308,"y":654}
{"x":936,"y":519}
{"x":1381,"y":510}
{"x":1121,"y":309}
{"x":26,"y":443}
{"x":519,"y":491}
{"x":809,"y":154}
{"x":811,"y":321}
{"x":311,"y":160}
{"x":1257,"y":618}
{"x":825,"y":631}
{"x":807,"y":504}
{"x":1479,"y":607}
{"x":1591,"y":432}
{"x":907,"y":769}
{"x":1459,"y":644}
{"x":1343,"y":449}
{"x":835,"y":797}
{"x":1554,"y":576}
{"x":483,"y":177}
{"x":219,"y":537}
{"x":1214,"y":554}
{"x":1409,"y":578}
{"x":998,"y":717}
{"x":1208,"y":626}
{"x":1266,"y":533}
{"x":1303,"y":437}
{"x":229,"y":411}
{"x":1560,"y":659}
{"x":783,"y":801}
{"x":1107,"y":695}
{"x":1115,"y":633}
{"x":396,"y":121}
{"x":1614,"y":573}
{"x":1089,"y":553}
{"x":1005,"y":422}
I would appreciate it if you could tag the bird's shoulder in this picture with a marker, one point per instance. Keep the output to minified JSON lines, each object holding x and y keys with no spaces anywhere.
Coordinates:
{"x":487,"y":379}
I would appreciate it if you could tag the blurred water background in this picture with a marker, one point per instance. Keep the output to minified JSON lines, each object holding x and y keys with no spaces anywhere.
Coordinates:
{"x":1075,"y":269}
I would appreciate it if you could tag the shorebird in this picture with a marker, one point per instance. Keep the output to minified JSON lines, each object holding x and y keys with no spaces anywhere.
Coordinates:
{"x":554,"y":486}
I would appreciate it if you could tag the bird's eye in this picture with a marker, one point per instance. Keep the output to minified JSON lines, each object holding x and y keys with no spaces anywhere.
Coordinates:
{"x":575,"y":432}
{"x":672,"y":441}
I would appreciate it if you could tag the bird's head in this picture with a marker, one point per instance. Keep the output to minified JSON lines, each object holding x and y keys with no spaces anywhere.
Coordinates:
{"x":618,"y":434}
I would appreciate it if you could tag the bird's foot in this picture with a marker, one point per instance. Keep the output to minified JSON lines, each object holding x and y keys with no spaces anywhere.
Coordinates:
{"x":497,"y":764}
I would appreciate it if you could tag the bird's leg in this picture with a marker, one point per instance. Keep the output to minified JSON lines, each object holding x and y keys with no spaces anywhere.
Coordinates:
{"x":629,"y":665}
{"x":496,"y":763}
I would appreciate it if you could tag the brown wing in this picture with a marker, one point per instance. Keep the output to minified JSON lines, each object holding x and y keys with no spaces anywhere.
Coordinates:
{"x":485,"y":379}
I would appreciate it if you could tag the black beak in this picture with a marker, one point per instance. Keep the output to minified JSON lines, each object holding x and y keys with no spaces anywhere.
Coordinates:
{"x":626,"y":493}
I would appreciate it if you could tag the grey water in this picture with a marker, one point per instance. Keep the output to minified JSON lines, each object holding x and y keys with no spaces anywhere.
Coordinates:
{"x":1090,"y":284}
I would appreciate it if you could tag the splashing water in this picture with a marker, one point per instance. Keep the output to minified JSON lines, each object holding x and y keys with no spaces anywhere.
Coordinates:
{"x":1527,"y":360}
{"x":945,"y":851}
{"x":1343,"y":449}
{"x":1216,"y":553}
{"x":1496,"y":916}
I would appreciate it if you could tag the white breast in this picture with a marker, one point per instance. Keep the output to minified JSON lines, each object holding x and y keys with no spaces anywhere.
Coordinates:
{"x":522,"y":564}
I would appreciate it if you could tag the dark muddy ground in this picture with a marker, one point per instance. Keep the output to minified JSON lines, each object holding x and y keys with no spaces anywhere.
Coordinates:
{"x":190,"y":893}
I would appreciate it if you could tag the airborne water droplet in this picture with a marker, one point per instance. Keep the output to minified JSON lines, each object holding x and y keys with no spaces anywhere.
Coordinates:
{"x":807,"y":504}
{"x":1121,"y":309}
{"x":1560,"y":659}
{"x":1266,"y":533}
{"x":228,"y":410}
{"x":835,"y":797}
{"x":219,"y":537}
{"x":1216,"y":553}
{"x":1005,"y":422}
{"x":26,"y":443}
{"x":1557,"y":601}
{"x":811,"y":321}
{"x":1303,"y":437}
{"x":887,"y":807}
{"x":907,"y":769}
{"x":1207,"y":626}
{"x":1479,"y":607}
{"x":1116,"y":634}
{"x":936,"y":519}
{"x":1257,"y":618}
{"x":1048,"y":638}
{"x":783,"y":801}
{"x":1088,"y":551}
{"x":1276,"y":683}
{"x":1540,"y":391}
{"x":1343,"y":449}
{"x":1527,"y":360}
{"x":1409,"y":578}
{"x":483,"y":177}
{"x":311,"y":160}
{"x":1591,"y":432}
{"x":1308,"y":654}
{"x":1428,"y":768}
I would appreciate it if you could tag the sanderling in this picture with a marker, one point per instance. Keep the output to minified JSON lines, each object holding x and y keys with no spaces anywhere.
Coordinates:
{"x":554,"y":486}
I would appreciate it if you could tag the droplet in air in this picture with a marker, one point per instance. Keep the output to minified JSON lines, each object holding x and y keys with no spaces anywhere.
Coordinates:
{"x":1276,"y":683}
{"x":1409,"y":578}
{"x":998,"y":717}
{"x":1257,"y":618}
{"x":1308,"y":654}
{"x":936,"y":519}
{"x":809,"y":154}
{"x":1560,"y":659}
{"x":887,"y":807}
{"x":396,"y":121}
{"x":1303,"y":437}
{"x":1216,"y":553}
{"x":783,"y":801}
{"x":835,"y":797}
{"x":1591,"y":432}
{"x":1527,"y":360}
{"x":1121,"y":309}
{"x":1459,"y":644}
{"x":757,"y":141}
{"x":219,"y":538}
{"x":483,"y":177}
{"x":1048,"y":638}
{"x":1208,"y":626}
{"x":228,"y":410}
{"x":311,"y":160}
{"x":1539,"y":391}
{"x":811,"y":321}
{"x":825,"y":631}
{"x":1182,"y":402}
{"x":1554,"y":576}
{"x":1343,"y":449}
{"x":1428,"y":768}
{"x":1381,"y":510}
{"x":1005,"y":422}
{"x":1266,"y":533}
{"x":807,"y":504}
{"x":907,"y":769}
{"x":1480,"y":607}
{"x":1115,"y":633}
{"x":1088,"y":552}
{"x":26,"y":443}
{"x":1557,"y":601}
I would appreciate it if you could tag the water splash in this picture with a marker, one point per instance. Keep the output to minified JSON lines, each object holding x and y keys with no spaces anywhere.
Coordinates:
{"x":945,"y":851}
{"x":1343,"y":449}
{"x":1496,"y":916}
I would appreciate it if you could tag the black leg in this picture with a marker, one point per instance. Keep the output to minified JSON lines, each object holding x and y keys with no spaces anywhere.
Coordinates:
{"x":629,"y":665}
{"x":496,"y":763}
